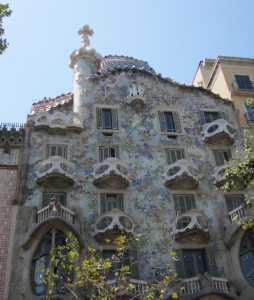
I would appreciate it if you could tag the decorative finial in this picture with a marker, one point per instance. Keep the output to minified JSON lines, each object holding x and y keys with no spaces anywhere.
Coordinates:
{"x":85,"y":31}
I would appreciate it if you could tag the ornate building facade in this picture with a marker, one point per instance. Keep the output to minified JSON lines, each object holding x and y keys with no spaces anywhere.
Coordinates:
{"x":133,"y":153}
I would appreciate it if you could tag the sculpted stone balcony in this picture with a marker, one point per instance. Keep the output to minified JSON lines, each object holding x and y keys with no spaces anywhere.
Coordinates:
{"x":112,"y":224}
{"x":205,"y":285}
{"x":136,"y":97}
{"x":192,"y":227}
{"x":55,"y":172}
{"x":111,"y":173}
{"x":219,"y":180}
{"x":181,"y":175}
{"x":56,"y":123}
{"x":218,"y":132}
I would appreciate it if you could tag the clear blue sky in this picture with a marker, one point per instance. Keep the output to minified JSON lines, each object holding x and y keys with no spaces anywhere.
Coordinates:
{"x":172,"y":36}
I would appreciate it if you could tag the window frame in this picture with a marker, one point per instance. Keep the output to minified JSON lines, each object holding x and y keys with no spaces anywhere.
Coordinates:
{"x":114,"y":118}
{"x":169,"y":159}
{"x":175,"y":119}
{"x":102,"y":148}
{"x":244,"y":84}
{"x":203,"y":119}
{"x":104,"y":198}
{"x":177,"y":206}
{"x":52,"y":194}
{"x":220,"y":152}
{"x":63,"y":146}
{"x":234,"y":202}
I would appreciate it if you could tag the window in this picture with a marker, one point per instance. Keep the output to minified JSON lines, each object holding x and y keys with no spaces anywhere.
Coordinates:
{"x":107,"y":118}
{"x":110,"y":201}
{"x":249,"y":111}
{"x":174,"y":154}
{"x":222,"y":156}
{"x":243,"y":82}
{"x":61,"y":198}
{"x":60,"y":150}
{"x":108,"y":151}
{"x":247,"y":256}
{"x":41,"y":261}
{"x":234,"y":201}
{"x":129,"y":258}
{"x":184,"y":202}
{"x":194,"y":262}
{"x":210,"y":116}
{"x":169,"y":121}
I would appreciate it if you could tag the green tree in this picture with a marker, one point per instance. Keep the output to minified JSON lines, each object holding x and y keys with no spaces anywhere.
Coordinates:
{"x":86,"y":276}
{"x":4,"y":12}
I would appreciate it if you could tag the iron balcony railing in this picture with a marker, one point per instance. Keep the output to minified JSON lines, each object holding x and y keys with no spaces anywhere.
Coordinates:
{"x":243,"y":86}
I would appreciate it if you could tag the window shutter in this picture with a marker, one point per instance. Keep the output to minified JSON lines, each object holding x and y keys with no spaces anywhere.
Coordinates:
{"x":116,"y":152}
{"x":99,"y":118}
{"x":162,"y":121}
{"x":249,"y":113}
{"x":120,"y":201}
{"x":176,"y":120}
{"x":219,"y":158}
{"x":179,"y":265}
{"x":103,"y":203}
{"x":202,"y":117}
{"x":104,"y":153}
{"x":222,"y":115}
{"x":134,"y":264}
{"x":114,"y":118}
{"x":211,"y":263}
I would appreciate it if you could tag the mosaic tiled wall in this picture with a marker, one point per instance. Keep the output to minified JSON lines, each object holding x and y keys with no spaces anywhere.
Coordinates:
{"x":8,"y":177}
{"x":142,"y":146}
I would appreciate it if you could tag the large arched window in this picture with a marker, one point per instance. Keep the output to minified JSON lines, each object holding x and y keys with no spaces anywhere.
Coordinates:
{"x":247,"y":256}
{"x":41,"y":261}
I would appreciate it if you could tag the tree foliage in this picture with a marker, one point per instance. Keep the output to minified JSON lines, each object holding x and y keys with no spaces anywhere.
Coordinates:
{"x":241,"y":168}
{"x":86,"y":277}
{"x":4,"y":12}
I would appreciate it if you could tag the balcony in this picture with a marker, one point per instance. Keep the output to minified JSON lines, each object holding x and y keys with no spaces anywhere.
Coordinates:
{"x":140,"y":287}
{"x":218,"y":132}
{"x":181,"y":175}
{"x":56,"y":123}
{"x":243,"y":87}
{"x":219,"y":180}
{"x":199,"y":283}
{"x":55,"y":172}
{"x":111,"y":173}
{"x":112,"y":224}
{"x":136,"y":96}
{"x":192,"y":227}
{"x":59,"y":211}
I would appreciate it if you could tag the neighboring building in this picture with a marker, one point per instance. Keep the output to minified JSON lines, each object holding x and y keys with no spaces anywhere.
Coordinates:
{"x":130,"y":152}
{"x":232,"y":78}
{"x":11,"y":145}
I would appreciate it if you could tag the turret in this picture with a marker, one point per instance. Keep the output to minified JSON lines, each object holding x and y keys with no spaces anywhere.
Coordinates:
{"x":85,"y":61}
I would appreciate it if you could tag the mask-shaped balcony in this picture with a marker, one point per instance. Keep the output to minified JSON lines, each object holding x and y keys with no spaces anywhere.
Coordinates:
{"x":181,"y":175}
{"x":56,"y":123}
{"x":112,"y":224}
{"x":136,"y":96}
{"x":219,"y":179}
{"x":192,"y":227}
{"x":218,"y":132}
{"x":55,"y":172}
{"x":111,"y":173}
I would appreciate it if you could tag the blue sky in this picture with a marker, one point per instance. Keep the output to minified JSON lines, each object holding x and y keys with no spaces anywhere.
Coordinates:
{"x":172,"y":36}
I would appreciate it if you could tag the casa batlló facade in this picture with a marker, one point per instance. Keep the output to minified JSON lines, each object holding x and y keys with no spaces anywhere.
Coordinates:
{"x":132,"y":153}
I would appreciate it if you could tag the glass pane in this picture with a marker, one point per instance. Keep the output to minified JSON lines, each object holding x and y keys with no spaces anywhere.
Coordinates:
{"x":211,"y":116}
{"x":61,"y":197}
{"x":243,"y":82}
{"x":107,"y":119}
{"x":169,"y":121}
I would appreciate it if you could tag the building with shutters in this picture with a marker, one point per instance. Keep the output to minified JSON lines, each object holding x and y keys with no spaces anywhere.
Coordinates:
{"x":232,"y":78}
{"x":129,"y":152}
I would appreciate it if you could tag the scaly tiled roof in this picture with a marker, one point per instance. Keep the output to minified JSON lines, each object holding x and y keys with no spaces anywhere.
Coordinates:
{"x":123,"y":63}
{"x":46,"y":104}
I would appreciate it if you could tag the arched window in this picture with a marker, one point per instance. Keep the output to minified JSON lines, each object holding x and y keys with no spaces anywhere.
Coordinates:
{"x":247,"y":256}
{"x":41,"y":261}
